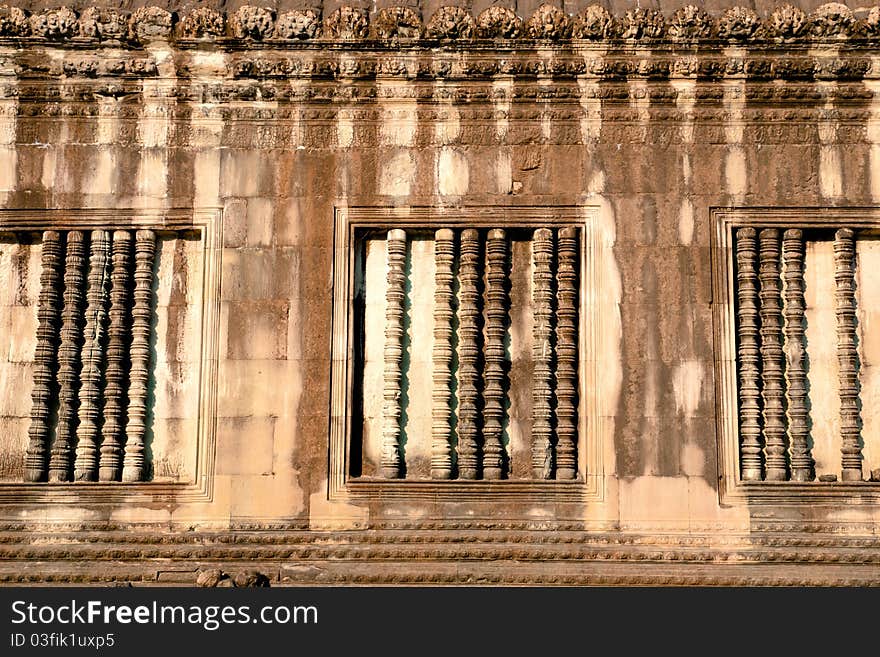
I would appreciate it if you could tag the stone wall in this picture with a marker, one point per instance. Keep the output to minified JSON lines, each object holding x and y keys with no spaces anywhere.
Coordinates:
{"x":659,"y":147}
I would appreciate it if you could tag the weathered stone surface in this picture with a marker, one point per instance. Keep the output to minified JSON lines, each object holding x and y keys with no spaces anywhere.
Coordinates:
{"x":247,"y":137}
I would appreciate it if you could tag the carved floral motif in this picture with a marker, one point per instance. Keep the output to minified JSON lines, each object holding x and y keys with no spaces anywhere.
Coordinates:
{"x":787,"y":23}
{"x":548,"y":22}
{"x":832,"y":21}
{"x":347,"y":23}
{"x":13,"y":21}
{"x":643,"y":24}
{"x":394,"y":23}
{"x":299,"y":24}
{"x":150,"y":23}
{"x":871,"y":24}
{"x":498,"y":23}
{"x":54,"y":24}
{"x":251,"y":22}
{"x":740,"y":23}
{"x":104,"y":24}
{"x":450,"y":23}
{"x":594,"y":23}
{"x":690,"y":23}
{"x":202,"y":23}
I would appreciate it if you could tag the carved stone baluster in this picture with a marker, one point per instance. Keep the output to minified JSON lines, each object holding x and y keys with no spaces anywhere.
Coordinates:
{"x":86,"y":465}
{"x":45,"y":358}
{"x":494,"y":372}
{"x":61,"y":457}
{"x":795,"y":353}
{"x":441,"y":447}
{"x":772,"y":357}
{"x":847,"y":358}
{"x":567,"y":353}
{"x":469,"y":375}
{"x":117,"y":347}
{"x":748,"y":332}
{"x":145,"y":254}
{"x":542,"y":354}
{"x":395,"y":294}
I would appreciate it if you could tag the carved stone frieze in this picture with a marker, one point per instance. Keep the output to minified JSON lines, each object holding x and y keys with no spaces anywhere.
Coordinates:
{"x":548,"y":22}
{"x":104,"y":24}
{"x":594,"y":23}
{"x":203,"y":23}
{"x":739,"y":24}
{"x":691,"y":23}
{"x":55,"y":24}
{"x":833,"y":21}
{"x":397,"y":23}
{"x":450,"y":23}
{"x":498,"y":23}
{"x":787,"y":23}
{"x":13,"y":21}
{"x":148,"y":23}
{"x":347,"y":24}
{"x":298,"y":24}
{"x":254,"y":23}
{"x":643,"y":24}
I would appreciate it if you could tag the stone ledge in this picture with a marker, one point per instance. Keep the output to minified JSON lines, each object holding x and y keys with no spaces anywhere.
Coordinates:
{"x":690,"y":25}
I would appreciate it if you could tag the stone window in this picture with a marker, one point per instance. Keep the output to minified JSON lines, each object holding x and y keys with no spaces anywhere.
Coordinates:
{"x":105,"y":323}
{"x":797,"y":310}
{"x":464,"y":341}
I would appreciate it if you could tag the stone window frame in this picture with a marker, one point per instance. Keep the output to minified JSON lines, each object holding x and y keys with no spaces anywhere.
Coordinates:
{"x":589,"y":484}
{"x":733,"y":489}
{"x":207,"y":223}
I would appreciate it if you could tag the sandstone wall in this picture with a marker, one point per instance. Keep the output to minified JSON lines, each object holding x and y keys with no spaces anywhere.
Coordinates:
{"x":645,"y":141}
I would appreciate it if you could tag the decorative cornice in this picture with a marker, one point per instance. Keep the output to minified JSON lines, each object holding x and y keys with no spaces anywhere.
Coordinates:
{"x":689,"y":25}
{"x":413,"y":555}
